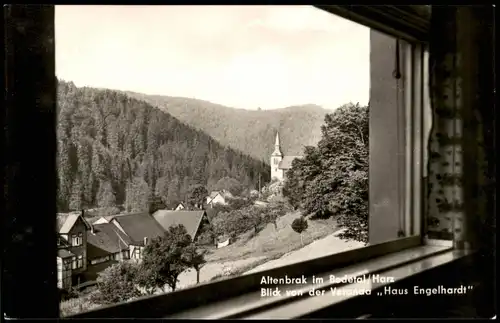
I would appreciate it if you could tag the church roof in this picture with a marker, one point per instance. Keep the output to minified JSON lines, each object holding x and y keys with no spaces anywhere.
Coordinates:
{"x":286,"y":162}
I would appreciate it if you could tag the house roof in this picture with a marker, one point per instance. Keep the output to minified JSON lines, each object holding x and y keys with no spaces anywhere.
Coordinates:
{"x":191,"y":220}
{"x":224,"y":194}
{"x":214,"y":194}
{"x":211,"y":213}
{"x":93,"y":271}
{"x":63,"y":253}
{"x":61,"y":219}
{"x":109,"y":217}
{"x":66,"y":221}
{"x":106,"y":239}
{"x":286,"y":162}
{"x":138,"y":226}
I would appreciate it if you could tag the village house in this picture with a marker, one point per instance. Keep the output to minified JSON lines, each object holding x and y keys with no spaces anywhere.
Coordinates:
{"x":140,"y":228}
{"x":72,"y":248}
{"x":280,"y":164}
{"x":179,"y":207}
{"x":195,"y":222}
{"x":106,"y":245}
{"x":218,"y":197}
{"x":87,"y":246}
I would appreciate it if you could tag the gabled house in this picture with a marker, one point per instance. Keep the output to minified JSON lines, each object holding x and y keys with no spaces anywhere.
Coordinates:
{"x":179,"y":207}
{"x":106,"y":244}
{"x":194,"y":221}
{"x":218,"y":197}
{"x":72,"y":247}
{"x":140,"y":228}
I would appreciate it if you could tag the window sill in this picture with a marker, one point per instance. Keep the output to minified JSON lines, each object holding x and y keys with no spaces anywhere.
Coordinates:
{"x":240,"y":296}
{"x":399,"y":266}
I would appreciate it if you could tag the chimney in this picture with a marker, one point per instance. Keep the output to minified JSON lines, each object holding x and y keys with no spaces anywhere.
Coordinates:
{"x":145,"y":241}
{"x":83,"y":213}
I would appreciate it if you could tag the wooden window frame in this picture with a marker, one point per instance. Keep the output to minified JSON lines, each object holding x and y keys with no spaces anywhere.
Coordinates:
{"x":33,"y":53}
{"x":74,"y":240}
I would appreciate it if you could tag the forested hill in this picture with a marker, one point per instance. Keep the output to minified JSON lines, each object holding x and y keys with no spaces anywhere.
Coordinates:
{"x":250,"y":131}
{"x":113,"y":150}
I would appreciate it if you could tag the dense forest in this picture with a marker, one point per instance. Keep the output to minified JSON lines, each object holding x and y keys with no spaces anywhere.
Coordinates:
{"x":117,"y":150}
{"x":249,"y":131}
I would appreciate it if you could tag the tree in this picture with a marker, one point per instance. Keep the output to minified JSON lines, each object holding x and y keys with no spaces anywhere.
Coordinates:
{"x":251,"y":217}
{"x":106,"y":196}
{"x":194,"y":259}
{"x":162,"y":187}
{"x":116,"y":284}
{"x":221,"y":225}
{"x":156,"y":203}
{"x":208,"y":236}
{"x":163,"y":257}
{"x":173,"y":191}
{"x":147,"y":279}
{"x":300,"y":225}
{"x":230,"y":184}
{"x":75,"y":202}
{"x":137,"y":195}
{"x":196,"y":194}
{"x":240,"y":203}
{"x":275,"y":210}
{"x":332,"y":178}
{"x":63,"y":171}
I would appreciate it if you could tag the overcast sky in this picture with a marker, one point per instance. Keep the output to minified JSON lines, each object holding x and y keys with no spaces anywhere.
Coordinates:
{"x":239,"y":56}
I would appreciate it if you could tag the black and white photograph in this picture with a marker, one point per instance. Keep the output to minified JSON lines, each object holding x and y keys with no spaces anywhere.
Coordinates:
{"x":264,"y":161}
{"x":236,"y":136}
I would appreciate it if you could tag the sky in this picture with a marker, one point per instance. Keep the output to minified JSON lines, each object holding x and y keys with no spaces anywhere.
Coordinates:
{"x":245,"y":57}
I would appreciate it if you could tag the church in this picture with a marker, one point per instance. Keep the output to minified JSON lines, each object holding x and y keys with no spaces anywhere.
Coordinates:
{"x":280,"y":163}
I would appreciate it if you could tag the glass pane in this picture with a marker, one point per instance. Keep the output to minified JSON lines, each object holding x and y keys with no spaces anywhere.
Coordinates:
{"x":287,"y":132}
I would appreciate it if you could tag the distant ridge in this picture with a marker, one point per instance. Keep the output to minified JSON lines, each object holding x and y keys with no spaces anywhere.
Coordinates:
{"x":250,"y":131}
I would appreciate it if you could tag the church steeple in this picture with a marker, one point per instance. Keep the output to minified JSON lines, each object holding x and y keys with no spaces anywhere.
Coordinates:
{"x":276,"y":157}
{"x":277,"y":148}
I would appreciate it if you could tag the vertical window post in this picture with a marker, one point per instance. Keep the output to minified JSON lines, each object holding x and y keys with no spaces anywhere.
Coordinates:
{"x":387,"y":154}
{"x":30,"y":104}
